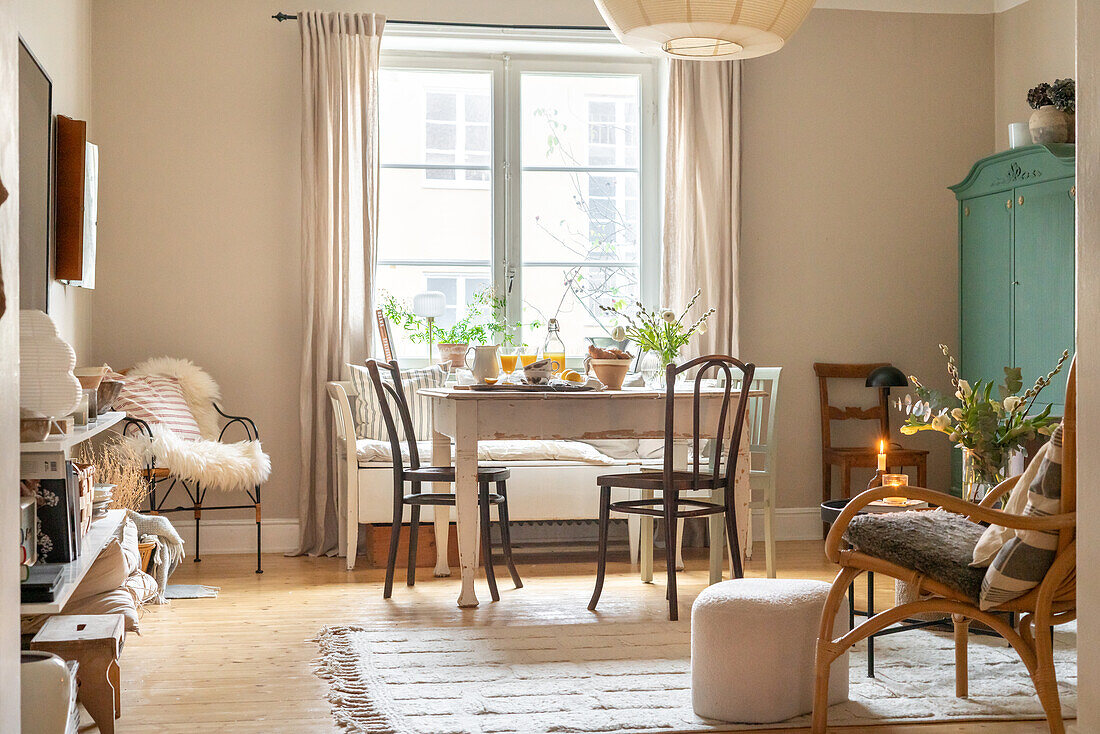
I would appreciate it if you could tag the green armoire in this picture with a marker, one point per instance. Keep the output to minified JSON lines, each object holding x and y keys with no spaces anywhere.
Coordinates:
{"x":1016,"y":268}
{"x":1016,"y":265}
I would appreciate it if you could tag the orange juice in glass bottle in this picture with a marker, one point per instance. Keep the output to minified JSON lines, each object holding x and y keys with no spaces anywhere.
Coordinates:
{"x":554,"y":348}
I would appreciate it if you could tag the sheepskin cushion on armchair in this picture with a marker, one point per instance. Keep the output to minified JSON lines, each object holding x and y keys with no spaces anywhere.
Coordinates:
{"x":206,"y":461}
{"x":164,"y":394}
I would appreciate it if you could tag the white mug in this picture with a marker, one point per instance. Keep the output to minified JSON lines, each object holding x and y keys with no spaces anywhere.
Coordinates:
{"x":486,"y":365}
{"x":1019,"y":135}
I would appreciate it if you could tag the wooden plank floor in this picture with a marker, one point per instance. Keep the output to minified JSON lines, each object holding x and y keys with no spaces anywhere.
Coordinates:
{"x":243,"y":662}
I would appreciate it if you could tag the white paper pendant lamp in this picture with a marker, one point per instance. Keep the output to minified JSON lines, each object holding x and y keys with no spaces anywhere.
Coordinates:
{"x":705,"y":29}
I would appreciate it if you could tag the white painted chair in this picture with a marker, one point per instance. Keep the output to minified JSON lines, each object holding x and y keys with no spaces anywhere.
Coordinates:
{"x":762,"y":449}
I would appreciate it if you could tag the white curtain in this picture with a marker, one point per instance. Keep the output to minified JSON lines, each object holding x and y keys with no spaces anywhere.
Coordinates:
{"x":703,"y":196}
{"x":339,"y":237}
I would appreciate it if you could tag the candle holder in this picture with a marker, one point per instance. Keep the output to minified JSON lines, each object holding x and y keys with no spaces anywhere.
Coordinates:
{"x":895,"y":480}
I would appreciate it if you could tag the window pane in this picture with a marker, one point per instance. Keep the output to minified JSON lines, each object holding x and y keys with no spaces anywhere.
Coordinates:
{"x":579,"y":120}
{"x":427,"y":109}
{"x":419,"y":219}
{"x":573,"y":296}
{"x":580,"y":217}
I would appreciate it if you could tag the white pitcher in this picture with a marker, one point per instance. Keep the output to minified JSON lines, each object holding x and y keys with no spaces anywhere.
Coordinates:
{"x":486,"y":364}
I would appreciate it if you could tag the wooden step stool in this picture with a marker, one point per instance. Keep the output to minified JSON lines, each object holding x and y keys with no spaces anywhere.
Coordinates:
{"x":94,"y":641}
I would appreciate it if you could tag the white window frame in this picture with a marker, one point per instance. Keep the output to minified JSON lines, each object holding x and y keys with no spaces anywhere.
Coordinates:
{"x":506,"y":251}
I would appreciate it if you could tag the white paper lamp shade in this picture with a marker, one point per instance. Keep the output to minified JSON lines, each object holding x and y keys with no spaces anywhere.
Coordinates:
{"x":47,"y":386}
{"x":705,"y":29}
{"x":429,"y":304}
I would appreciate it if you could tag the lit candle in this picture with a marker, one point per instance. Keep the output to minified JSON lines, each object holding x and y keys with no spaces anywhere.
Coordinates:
{"x":882,"y":456}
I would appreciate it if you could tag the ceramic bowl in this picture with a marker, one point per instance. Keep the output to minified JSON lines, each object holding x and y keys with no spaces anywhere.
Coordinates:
{"x":106,"y":394}
{"x":611,"y":372}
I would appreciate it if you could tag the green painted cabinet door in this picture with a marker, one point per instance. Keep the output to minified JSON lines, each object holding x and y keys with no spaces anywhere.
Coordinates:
{"x":1043,"y":292}
{"x":985,"y":270}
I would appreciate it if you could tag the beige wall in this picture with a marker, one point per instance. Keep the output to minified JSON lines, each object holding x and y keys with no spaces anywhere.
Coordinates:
{"x":197,"y":117}
{"x":58,"y":33}
{"x":849,"y":246}
{"x":1033,"y":42}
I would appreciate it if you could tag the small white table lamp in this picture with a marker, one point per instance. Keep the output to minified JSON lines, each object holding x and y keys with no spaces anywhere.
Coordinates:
{"x":429,"y":305}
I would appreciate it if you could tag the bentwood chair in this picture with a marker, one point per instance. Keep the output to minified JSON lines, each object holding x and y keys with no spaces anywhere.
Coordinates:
{"x":390,"y":391}
{"x":939,"y":569}
{"x":847,"y":458}
{"x":671,"y":483}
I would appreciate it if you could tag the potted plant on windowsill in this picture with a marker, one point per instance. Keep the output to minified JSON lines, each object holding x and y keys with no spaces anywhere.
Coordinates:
{"x":483,"y":324}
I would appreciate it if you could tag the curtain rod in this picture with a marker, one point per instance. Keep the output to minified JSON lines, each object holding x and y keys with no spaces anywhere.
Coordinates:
{"x":281,"y":16}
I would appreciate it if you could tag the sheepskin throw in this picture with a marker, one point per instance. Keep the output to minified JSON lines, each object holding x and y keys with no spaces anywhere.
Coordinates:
{"x":936,"y":543}
{"x":207,"y":462}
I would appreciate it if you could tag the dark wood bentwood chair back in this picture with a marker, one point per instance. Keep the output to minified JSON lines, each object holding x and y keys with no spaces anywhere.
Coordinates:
{"x":392,"y":388}
{"x":416,"y":475}
{"x":715,"y":441}
{"x":713,"y":467}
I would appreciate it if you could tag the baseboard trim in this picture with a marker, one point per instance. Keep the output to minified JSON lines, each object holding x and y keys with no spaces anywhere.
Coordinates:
{"x":238,"y":536}
{"x":281,"y":534}
{"x":791,"y":523}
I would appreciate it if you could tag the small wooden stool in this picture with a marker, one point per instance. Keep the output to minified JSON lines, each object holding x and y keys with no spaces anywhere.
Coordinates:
{"x":94,"y":641}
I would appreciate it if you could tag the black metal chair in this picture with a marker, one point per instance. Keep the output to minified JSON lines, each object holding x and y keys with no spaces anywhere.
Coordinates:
{"x":416,"y":475}
{"x":670,"y":482}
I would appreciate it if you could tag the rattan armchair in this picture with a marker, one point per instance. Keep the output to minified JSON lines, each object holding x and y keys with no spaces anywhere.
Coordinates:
{"x":1052,"y":602}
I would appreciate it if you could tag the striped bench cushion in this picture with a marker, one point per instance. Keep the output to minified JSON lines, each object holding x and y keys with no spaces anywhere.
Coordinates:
{"x":369,"y":422}
{"x":158,"y":399}
{"x":1024,"y":560}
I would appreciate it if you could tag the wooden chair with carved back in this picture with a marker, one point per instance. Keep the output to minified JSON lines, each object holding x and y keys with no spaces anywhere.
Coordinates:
{"x":847,"y":458}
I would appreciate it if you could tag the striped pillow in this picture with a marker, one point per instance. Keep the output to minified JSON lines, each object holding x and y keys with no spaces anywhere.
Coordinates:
{"x":369,"y":422}
{"x":158,"y":399}
{"x":1025,"y":559}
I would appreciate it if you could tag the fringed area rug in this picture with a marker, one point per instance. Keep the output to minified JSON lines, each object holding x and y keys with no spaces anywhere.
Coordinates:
{"x":636,"y":678}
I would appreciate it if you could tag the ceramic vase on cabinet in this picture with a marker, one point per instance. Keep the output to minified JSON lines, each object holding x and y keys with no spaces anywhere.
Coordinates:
{"x":1048,"y":125}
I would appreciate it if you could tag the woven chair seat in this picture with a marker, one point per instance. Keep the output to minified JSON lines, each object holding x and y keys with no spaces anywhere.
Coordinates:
{"x":938,"y":544}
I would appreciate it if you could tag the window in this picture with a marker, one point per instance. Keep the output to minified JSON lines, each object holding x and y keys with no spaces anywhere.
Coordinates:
{"x":529,"y":178}
{"x":456,"y":130}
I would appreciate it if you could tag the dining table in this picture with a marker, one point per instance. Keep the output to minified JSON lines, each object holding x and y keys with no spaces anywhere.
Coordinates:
{"x":466,"y":416}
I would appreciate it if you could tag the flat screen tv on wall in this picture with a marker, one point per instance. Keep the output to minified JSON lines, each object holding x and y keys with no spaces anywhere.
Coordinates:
{"x":36,"y":160}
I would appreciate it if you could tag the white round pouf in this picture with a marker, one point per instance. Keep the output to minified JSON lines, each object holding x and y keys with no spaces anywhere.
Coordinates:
{"x":752,"y":650}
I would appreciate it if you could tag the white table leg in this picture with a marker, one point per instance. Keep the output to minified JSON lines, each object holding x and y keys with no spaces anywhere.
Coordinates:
{"x":441,"y":456}
{"x":717,"y":532}
{"x":466,"y":497}
{"x":645,"y":547}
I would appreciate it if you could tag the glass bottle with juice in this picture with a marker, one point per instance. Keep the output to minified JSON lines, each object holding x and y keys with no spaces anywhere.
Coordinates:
{"x":554,"y":348}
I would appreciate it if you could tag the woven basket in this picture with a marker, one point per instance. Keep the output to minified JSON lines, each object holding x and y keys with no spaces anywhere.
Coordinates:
{"x":146,"y":551}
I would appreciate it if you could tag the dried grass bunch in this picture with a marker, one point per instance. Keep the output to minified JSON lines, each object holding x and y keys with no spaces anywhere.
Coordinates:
{"x":117,"y":464}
